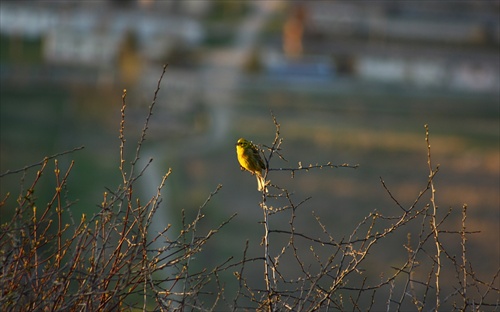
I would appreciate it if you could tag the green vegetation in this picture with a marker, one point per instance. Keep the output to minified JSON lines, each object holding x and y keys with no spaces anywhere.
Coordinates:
{"x":21,"y":50}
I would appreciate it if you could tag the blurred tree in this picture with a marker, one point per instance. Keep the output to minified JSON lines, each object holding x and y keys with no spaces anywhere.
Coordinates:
{"x":129,"y":60}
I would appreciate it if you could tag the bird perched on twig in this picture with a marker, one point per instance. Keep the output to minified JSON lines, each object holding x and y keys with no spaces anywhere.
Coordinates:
{"x":250,"y":160}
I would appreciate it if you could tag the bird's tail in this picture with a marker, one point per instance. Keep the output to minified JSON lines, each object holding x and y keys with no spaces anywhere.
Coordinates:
{"x":261,"y":183}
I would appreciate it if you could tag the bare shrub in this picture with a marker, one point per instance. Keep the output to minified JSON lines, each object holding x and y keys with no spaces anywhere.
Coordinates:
{"x":109,"y":262}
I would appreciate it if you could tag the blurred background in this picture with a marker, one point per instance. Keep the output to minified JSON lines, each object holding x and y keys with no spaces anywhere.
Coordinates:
{"x":349,"y":82}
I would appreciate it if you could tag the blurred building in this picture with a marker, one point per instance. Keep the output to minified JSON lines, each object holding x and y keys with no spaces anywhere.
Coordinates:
{"x":451,"y":45}
{"x":433,"y":44}
{"x":440,"y":44}
{"x":93,"y":34}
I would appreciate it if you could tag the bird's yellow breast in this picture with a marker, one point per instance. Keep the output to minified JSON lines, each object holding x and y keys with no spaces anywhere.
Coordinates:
{"x":246,"y":160}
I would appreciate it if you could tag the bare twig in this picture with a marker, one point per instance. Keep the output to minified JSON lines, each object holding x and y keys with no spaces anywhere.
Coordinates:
{"x":434,"y":225}
{"x":146,"y":123}
{"x":40,"y":163}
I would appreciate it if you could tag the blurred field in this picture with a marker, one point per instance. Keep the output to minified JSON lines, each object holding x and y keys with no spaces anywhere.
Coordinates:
{"x":382,"y":131}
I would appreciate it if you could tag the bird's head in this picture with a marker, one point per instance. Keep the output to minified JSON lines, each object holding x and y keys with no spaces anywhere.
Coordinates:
{"x":242,"y":142}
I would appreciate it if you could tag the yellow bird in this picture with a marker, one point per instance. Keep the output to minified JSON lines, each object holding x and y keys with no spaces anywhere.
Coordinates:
{"x":250,"y":160}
